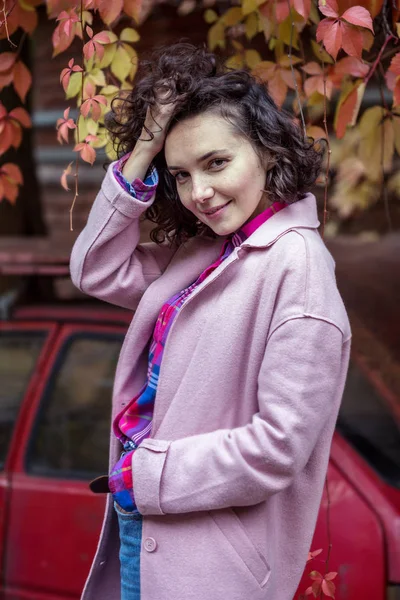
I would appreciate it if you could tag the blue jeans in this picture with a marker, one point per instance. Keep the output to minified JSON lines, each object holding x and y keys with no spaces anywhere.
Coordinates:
{"x":130,"y":535}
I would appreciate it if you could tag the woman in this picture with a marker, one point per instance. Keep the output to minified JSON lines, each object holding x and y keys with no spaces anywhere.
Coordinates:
{"x":231,"y":374}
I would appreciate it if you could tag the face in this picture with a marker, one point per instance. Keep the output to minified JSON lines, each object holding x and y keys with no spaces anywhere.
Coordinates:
{"x":219,"y":176}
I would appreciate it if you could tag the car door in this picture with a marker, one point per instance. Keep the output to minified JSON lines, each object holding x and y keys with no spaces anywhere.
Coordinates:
{"x":23,"y":351}
{"x":54,"y":519}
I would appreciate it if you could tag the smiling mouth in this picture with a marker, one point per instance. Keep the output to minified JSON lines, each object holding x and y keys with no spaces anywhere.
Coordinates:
{"x":212,"y":211}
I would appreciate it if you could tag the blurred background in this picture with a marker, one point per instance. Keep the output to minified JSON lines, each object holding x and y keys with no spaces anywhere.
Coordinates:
{"x":59,"y":349}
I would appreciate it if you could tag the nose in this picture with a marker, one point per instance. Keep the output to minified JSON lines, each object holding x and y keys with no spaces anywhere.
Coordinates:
{"x":201,"y":190}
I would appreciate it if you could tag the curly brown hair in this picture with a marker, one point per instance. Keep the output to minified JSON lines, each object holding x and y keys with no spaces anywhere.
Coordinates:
{"x":198,"y":82}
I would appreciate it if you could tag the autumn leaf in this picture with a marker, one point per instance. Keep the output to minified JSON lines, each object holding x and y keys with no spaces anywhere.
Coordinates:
{"x":109,"y":10}
{"x":393,"y":78}
{"x":10,"y":180}
{"x":65,"y":31}
{"x":315,"y":83}
{"x":322,"y":583}
{"x":348,"y":106}
{"x":87,"y":153}
{"x":64,"y":125}
{"x":64,"y":176}
{"x":22,"y":79}
{"x":94,"y":47}
{"x":210,"y":16}
{"x":342,"y":32}
{"x":67,"y":72}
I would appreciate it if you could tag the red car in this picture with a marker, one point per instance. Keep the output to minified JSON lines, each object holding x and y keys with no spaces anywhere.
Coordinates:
{"x":57,"y":367}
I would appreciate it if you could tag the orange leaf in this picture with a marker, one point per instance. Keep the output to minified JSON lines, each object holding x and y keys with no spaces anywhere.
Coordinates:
{"x":20,"y":115}
{"x":132,"y":8}
{"x":22,"y":80}
{"x":13,"y":172}
{"x":347,"y":108}
{"x":7,"y":60}
{"x":312,"y":68}
{"x":110,"y":11}
{"x":88,"y":154}
{"x":64,"y":176}
{"x":10,"y":190}
{"x":358,"y":15}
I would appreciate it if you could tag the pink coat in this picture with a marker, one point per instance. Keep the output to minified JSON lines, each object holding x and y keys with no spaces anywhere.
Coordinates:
{"x":250,"y":386}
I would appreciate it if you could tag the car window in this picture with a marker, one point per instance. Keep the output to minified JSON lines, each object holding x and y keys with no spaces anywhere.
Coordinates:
{"x":71,"y":435}
{"x":19,"y":351}
{"x":367,"y":423}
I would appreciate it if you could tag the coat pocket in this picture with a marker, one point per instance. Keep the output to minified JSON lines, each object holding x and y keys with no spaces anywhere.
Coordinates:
{"x":232,"y":528}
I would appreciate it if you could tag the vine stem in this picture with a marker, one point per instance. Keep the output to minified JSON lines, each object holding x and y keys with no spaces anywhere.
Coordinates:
{"x":4,"y":22}
{"x":71,"y":228}
{"x":378,"y":58}
{"x":296,"y":87}
{"x":328,"y":162}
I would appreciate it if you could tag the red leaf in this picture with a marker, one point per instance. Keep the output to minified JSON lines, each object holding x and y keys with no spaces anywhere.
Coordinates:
{"x":6,"y":138}
{"x":89,"y":31}
{"x":20,"y":115}
{"x":352,"y":40}
{"x":349,"y":65}
{"x":358,"y":15}
{"x":329,"y":8}
{"x":13,"y":172}
{"x":16,"y":134}
{"x":330,"y":576}
{"x":10,"y":190}
{"x":328,"y":587}
{"x":7,"y":59}
{"x":395,"y":64}
{"x":330,"y":33}
{"x":22,"y":80}
{"x":396,"y":94}
{"x":303,"y":7}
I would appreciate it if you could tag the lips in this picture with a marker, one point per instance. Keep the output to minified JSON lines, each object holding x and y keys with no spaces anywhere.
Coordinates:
{"x":212,"y":211}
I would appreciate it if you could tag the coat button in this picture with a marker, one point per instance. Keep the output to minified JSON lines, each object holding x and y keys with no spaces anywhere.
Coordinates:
{"x":150,"y":544}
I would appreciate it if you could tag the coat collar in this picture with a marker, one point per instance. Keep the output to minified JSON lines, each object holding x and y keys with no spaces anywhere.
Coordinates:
{"x":300,"y":214}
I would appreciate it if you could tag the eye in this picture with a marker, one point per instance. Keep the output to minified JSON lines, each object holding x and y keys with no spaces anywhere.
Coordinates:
{"x":217,"y":163}
{"x":181,"y":176}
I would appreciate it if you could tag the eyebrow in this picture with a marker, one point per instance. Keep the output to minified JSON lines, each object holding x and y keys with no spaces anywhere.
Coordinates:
{"x":204,"y":157}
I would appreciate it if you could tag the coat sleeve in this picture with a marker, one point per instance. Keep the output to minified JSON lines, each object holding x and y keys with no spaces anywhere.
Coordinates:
{"x":299,"y":386}
{"x":107,"y":260}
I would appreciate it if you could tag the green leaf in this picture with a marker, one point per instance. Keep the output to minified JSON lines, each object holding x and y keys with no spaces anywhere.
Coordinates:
{"x":252,"y":58}
{"x":233,"y":16}
{"x":97,"y":76}
{"x":249,"y":6}
{"x":252,"y":26}
{"x":109,"y":53}
{"x":121,"y":64}
{"x":235,"y":62}
{"x":216,"y":36}
{"x":210,"y":16}
{"x":129,"y":35}
{"x":74,"y":85}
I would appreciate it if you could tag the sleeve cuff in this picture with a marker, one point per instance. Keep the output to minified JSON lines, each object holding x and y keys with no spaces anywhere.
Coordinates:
{"x":147,"y":467}
{"x":120,"y":199}
{"x":142,"y":190}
